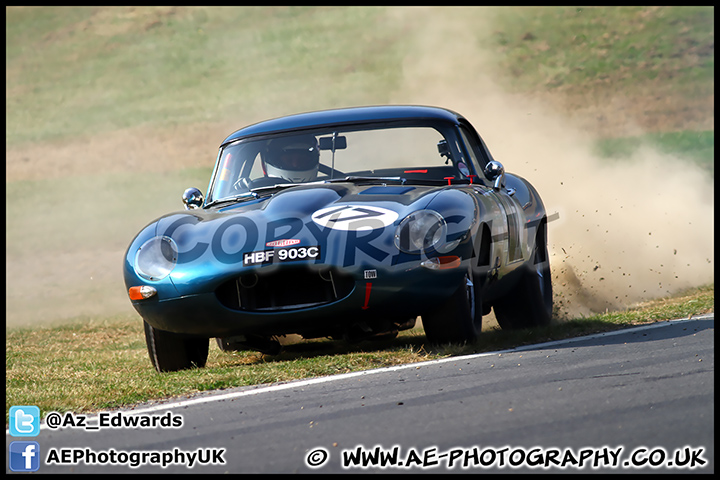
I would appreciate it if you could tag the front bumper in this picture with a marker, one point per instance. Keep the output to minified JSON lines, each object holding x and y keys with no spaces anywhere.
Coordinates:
{"x":399,"y":296}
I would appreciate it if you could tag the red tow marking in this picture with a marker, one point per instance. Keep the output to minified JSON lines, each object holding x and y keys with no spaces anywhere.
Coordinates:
{"x":368,"y":286}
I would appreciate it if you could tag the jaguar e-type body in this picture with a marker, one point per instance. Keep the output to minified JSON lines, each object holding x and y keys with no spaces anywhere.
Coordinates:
{"x":346,"y":223}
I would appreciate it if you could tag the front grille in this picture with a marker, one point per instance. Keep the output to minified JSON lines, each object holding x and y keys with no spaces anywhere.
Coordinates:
{"x":284,"y":289}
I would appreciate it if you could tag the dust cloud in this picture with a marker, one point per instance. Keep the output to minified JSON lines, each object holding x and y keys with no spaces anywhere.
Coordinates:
{"x":628,"y":231}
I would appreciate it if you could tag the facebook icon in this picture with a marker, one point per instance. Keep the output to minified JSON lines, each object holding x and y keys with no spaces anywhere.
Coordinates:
{"x":24,"y":456}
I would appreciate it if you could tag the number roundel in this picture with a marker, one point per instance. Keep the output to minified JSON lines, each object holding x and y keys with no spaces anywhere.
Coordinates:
{"x":354,"y":217}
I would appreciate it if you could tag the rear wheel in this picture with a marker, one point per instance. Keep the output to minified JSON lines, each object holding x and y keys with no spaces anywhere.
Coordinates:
{"x":530,"y":303}
{"x":459,"y":319}
{"x":170,"y":351}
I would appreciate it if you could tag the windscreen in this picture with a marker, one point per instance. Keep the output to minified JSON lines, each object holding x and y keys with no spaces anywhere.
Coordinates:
{"x":414,"y":153}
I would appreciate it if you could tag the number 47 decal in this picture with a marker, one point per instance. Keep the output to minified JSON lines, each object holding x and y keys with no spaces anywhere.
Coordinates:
{"x":354,"y":217}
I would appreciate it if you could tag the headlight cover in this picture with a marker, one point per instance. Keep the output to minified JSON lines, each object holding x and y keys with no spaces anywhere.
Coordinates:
{"x":156,"y":258}
{"x":421,"y":231}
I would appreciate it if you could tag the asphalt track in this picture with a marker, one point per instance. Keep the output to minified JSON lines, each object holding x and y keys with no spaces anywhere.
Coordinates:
{"x":637,"y":400}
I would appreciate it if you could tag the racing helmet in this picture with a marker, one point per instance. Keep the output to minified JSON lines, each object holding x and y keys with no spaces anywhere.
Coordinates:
{"x":295,"y":159}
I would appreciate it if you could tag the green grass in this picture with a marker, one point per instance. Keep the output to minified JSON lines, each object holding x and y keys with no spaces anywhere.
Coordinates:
{"x":71,"y":367}
{"x":626,"y":47}
{"x":73,"y":71}
{"x":699,"y":147}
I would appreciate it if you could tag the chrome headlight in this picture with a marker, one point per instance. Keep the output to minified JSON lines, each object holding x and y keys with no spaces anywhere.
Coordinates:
{"x":421,"y":231}
{"x":156,"y":258}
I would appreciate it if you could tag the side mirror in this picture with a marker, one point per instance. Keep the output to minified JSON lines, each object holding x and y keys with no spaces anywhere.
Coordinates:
{"x":495,"y":172}
{"x":192,"y":198}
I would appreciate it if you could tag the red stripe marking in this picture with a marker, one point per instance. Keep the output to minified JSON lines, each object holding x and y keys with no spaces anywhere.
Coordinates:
{"x":368,"y":286}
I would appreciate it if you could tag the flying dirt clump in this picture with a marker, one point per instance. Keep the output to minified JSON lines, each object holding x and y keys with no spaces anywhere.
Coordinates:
{"x":630,"y":230}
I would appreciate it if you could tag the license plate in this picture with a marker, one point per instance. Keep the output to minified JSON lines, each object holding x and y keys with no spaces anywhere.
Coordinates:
{"x":276,"y":255}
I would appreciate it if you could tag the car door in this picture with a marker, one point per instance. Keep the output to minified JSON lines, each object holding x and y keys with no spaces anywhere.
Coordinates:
{"x":507,"y":227}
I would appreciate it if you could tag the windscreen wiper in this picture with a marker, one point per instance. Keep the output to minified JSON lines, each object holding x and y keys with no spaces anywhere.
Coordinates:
{"x":235,"y":199}
{"x":254,"y":193}
{"x":357,"y":179}
{"x":272,"y":188}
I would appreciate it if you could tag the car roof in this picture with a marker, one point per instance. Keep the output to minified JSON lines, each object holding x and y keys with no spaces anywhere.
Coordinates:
{"x":349,"y":115}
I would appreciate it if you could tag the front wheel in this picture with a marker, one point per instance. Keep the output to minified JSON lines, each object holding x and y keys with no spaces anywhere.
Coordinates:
{"x":530,"y":303}
{"x":170,"y":352}
{"x":459,"y":319}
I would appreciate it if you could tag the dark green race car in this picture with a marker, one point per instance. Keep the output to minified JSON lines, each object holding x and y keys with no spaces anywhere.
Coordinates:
{"x":344,"y":223}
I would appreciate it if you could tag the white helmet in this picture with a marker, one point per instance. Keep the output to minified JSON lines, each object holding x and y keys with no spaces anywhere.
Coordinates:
{"x":295,"y":159}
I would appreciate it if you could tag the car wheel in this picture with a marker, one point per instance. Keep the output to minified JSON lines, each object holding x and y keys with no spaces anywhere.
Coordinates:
{"x":170,"y":352}
{"x":459,"y":319}
{"x":530,"y":303}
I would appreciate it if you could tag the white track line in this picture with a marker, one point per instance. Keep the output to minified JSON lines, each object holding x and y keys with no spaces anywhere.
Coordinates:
{"x":319,"y":380}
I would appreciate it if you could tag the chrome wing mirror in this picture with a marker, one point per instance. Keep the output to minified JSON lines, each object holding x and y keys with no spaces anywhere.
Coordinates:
{"x":192,"y":198}
{"x":495,"y":172}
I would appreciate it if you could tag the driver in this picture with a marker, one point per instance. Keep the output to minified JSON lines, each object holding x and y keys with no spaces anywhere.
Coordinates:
{"x":295,"y":159}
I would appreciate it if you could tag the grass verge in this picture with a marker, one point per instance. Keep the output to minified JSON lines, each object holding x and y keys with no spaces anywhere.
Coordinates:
{"x":73,"y":367}
{"x":626,"y":47}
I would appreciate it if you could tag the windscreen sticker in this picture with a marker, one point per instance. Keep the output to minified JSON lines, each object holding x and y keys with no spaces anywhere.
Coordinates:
{"x":354,"y":217}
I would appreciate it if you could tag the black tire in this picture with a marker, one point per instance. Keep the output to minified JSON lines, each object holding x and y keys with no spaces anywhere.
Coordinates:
{"x":530,"y":303}
{"x":170,"y":352}
{"x":459,"y":319}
